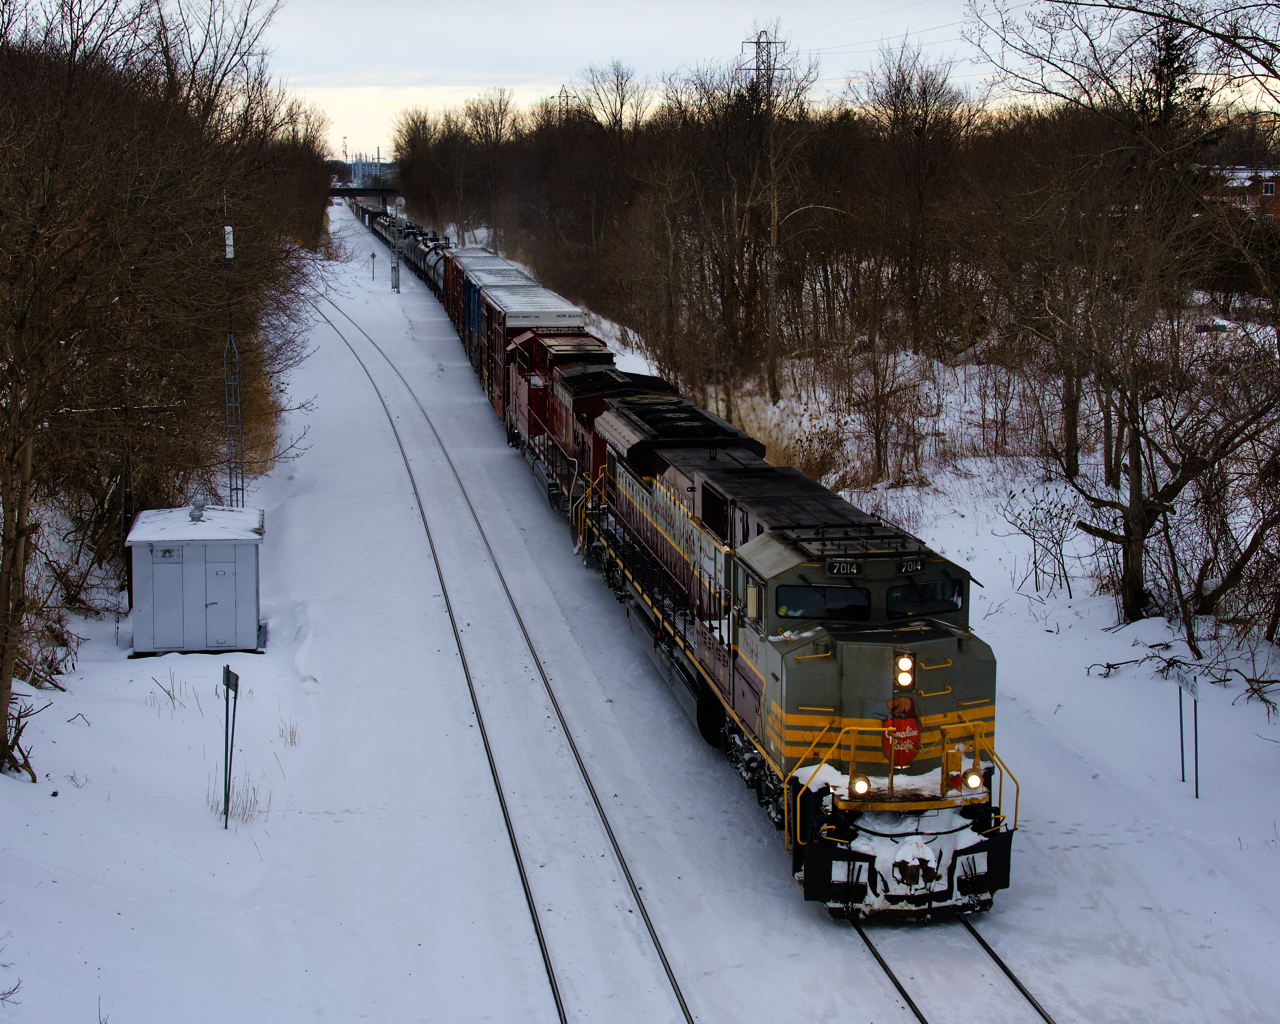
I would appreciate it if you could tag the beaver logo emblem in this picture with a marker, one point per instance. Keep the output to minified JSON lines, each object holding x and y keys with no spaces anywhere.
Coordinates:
{"x":905,"y":738}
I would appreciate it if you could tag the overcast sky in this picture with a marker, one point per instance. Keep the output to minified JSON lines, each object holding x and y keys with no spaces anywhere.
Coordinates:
{"x":361,"y":63}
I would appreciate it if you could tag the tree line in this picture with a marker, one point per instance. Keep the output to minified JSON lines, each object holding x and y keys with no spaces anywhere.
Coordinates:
{"x":133,"y":132}
{"x":1069,"y":247}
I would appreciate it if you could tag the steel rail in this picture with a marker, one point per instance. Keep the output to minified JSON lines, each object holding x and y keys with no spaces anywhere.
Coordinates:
{"x":889,"y":971}
{"x":1022,"y":989}
{"x":542,"y":673}
{"x":1008,"y":973}
{"x":466,"y":671}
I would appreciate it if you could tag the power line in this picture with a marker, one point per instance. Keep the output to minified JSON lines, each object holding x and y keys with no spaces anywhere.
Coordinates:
{"x":832,"y":51}
{"x":918,"y":32}
{"x":864,"y":17}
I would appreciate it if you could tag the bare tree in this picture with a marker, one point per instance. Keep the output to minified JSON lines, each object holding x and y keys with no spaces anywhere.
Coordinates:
{"x":116,"y":296}
{"x":923,"y":122}
{"x":616,"y":98}
{"x":492,"y":120}
{"x":1244,"y":34}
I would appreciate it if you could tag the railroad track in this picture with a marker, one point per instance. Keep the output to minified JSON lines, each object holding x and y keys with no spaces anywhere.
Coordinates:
{"x":1016,"y":1002}
{"x":569,"y":942}
{"x":915,"y":1009}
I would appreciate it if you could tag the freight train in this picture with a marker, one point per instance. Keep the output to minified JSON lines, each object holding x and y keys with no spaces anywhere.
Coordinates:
{"x":827,"y":652}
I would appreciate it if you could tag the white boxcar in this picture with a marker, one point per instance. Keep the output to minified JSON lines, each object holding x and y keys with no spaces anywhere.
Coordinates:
{"x":195,"y":578}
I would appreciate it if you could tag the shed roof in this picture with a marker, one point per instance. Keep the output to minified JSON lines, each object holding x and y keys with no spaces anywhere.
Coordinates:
{"x":217,"y":523}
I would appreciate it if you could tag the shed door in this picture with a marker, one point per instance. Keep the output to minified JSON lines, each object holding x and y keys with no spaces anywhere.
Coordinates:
{"x":166,"y":596}
{"x":220,"y":595}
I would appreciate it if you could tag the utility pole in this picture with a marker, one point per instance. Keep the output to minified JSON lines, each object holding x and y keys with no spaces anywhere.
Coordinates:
{"x":231,"y":378}
{"x":346,"y":160}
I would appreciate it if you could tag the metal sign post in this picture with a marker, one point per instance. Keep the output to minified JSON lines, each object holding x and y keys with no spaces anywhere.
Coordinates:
{"x":373,"y":266}
{"x":231,"y":694}
{"x":1191,"y":684}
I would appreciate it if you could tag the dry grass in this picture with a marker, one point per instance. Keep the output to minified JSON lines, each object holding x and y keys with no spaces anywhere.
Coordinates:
{"x":246,"y":800}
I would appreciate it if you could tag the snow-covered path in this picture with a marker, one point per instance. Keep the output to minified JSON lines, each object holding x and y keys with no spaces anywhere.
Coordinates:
{"x":381,"y":884}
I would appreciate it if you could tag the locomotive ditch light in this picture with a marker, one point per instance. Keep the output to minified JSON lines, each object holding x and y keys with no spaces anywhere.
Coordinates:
{"x":905,"y":665}
{"x":972,"y":778}
{"x":860,"y":785}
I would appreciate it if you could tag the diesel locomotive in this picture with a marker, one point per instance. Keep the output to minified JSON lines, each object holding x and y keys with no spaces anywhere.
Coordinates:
{"x":827,"y":652}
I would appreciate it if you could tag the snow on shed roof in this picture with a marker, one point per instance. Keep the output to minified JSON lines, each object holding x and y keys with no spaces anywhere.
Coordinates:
{"x":217,"y":523}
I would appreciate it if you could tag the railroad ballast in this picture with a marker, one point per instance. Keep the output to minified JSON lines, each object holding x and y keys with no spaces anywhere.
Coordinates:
{"x":825,"y":651}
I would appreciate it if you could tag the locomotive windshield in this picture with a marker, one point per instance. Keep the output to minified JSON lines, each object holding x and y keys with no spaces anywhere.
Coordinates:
{"x":848,"y":604}
{"x":924,"y":599}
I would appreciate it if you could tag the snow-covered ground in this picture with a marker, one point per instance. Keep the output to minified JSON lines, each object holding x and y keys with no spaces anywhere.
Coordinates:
{"x":376,"y":881}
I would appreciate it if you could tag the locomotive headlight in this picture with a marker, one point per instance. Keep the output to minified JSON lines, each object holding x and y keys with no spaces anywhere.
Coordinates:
{"x":906,"y":670}
{"x":860,"y":785}
{"x":972,"y":778}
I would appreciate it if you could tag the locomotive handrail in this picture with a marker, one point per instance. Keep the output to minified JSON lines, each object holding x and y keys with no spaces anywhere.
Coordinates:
{"x":835,"y":745}
{"x":546,"y":432}
{"x":980,"y":739}
{"x":980,"y":744}
{"x":786,"y":804}
{"x":581,"y":525}
{"x":682,"y":640}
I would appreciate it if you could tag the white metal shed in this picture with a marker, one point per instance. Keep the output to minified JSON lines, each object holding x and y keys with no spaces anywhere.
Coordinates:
{"x":195,"y":578}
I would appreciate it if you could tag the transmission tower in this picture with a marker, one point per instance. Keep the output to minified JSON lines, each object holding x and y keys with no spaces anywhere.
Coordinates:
{"x":766,"y":61}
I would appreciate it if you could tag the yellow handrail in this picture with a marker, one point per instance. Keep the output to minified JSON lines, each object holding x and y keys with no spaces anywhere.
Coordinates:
{"x":835,"y":745}
{"x":979,"y":738}
{"x":980,"y":744}
{"x":581,"y":524}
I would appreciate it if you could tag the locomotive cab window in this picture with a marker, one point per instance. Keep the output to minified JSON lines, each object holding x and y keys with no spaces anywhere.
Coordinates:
{"x":847,"y":604}
{"x":925,"y":598}
{"x":750,"y":597}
